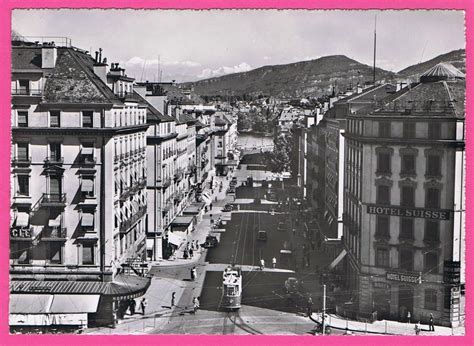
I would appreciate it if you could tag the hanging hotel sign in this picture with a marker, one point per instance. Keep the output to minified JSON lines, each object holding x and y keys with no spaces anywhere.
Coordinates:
{"x":404,"y":277}
{"x":438,"y":214}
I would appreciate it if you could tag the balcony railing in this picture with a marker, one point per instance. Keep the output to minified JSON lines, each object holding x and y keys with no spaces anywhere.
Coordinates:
{"x":54,"y":233}
{"x":21,"y":161}
{"x":87,"y":159}
{"x":54,"y":160}
{"x":53,"y":199}
{"x":26,"y":92}
{"x":125,"y":226}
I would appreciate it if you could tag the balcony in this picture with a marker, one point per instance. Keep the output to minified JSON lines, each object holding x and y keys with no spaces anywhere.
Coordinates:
{"x":87,"y":159}
{"x":127,"y":191}
{"x":53,"y":200}
{"x":165,"y":183}
{"x":54,"y":161}
{"x":431,"y":241}
{"x":127,"y":224}
{"x":26,"y":92}
{"x":21,"y":161}
{"x":383,"y":236}
{"x":406,"y":237}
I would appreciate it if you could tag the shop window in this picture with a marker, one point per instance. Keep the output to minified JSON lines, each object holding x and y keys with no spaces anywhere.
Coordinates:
{"x":431,"y":299}
{"x":407,"y":197}
{"x":87,"y":119}
{"x":431,"y":263}
{"x":382,"y":257}
{"x":406,"y":228}
{"x":433,"y":165}
{"x":54,"y":118}
{"x":23,"y":185}
{"x":22,"y":119}
{"x":431,"y":231}
{"x":384,"y":162}
{"x":408,"y":164}
{"x":434,"y":131}
{"x":88,"y":253}
{"x":406,"y":260}
{"x":382,"y":226}
{"x":384,"y":129}
{"x":383,"y":194}
{"x":432,"y":198}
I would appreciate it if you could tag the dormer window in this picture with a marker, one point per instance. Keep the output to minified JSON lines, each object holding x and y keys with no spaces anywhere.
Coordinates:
{"x":24,"y":86}
{"x":22,"y":118}
{"x":54,"y":118}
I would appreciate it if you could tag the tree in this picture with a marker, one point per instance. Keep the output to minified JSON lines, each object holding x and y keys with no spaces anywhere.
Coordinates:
{"x":280,"y":157}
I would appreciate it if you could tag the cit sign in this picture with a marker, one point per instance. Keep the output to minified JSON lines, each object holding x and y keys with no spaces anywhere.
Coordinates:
{"x":20,"y":233}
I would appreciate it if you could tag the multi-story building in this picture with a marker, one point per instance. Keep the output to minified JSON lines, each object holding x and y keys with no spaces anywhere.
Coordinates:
{"x":404,"y":202}
{"x":78,"y":199}
{"x":221,"y":145}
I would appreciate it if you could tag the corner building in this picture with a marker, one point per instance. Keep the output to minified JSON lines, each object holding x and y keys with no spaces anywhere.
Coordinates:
{"x":404,"y":202}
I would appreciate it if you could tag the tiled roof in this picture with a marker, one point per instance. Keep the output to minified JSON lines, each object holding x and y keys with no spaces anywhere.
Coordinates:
{"x":26,"y":58}
{"x":73,"y":81}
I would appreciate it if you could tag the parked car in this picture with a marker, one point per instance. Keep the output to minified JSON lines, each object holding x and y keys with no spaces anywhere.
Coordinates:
{"x":211,"y":241}
{"x":262,"y":235}
{"x":292,"y":285}
{"x":272,"y":197}
{"x":228,"y":207}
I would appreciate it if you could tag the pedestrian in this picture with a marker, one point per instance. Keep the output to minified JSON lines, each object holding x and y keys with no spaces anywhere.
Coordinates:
{"x":262,"y":264}
{"x":187,"y":246}
{"x":409,"y":317}
{"x":133,"y":305}
{"x":309,"y":307}
{"x":274,"y":262}
{"x":417,"y":328}
{"x":294,"y":231}
{"x":196,"y":304}
{"x":210,"y":205}
{"x":143,"y":304}
{"x":191,"y":252}
{"x":173,"y":297}
{"x":431,"y":323}
{"x":185,"y":254}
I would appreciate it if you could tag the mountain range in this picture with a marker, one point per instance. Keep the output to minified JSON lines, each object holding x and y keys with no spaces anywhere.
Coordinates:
{"x":311,"y":78}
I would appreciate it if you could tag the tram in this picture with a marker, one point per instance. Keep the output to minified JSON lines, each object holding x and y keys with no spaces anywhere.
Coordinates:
{"x":231,"y":288}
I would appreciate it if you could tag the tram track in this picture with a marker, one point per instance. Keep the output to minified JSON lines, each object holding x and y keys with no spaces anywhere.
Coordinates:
{"x":236,"y":321}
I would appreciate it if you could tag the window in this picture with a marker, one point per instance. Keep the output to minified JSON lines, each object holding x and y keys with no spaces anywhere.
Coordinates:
{"x":24,"y":86}
{"x":406,"y":228}
{"x":383,"y":194}
{"x":22,"y":152}
{"x":55,"y":252}
{"x":87,"y":153}
{"x":408,"y":164}
{"x":384,"y":163}
{"x":87,"y":119}
{"x":382,"y":257}
{"x":382,"y":228}
{"x":22,"y":119}
{"x":433,"y":165}
{"x":431,"y":231}
{"x":431,"y":299}
{"x":407,"y":197}
{"x":406,"y":260}
{"x":384,"y":129}
{"x":55,"y":188}
{"x":231,"y":290}
{"x":409,"y":130}
{"x":432,"y":198}
{"x":23,"y":185}
{"x":55,"y":152}
{"x":431,"y":262}
{"x":434,"y":131}
{"x":54,"y":118}
{"x":87,"y":186}
{"x":87,"y":253}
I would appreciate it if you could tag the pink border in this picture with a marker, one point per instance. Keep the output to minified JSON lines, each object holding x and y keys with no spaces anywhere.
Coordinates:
{"x":5,"y":20}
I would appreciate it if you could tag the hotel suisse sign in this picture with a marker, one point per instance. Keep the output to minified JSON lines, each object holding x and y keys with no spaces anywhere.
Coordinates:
{"x":404,"y":277}
{"x":438,"y":214}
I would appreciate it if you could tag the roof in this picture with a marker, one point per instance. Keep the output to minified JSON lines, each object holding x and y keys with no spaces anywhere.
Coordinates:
{"x":443,"y":70}
{"x":26,"y":58}
{"x":73,"y":81}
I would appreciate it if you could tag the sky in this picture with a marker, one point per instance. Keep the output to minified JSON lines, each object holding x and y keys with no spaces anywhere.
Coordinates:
{"x":192,"y":45}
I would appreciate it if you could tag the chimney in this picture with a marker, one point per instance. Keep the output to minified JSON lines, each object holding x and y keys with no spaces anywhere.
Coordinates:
{"x":49,"y":54}
{"x":100,"y":67}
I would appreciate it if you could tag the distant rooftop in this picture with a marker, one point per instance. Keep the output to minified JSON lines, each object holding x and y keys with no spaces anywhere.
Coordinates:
{"x":442,"y":71}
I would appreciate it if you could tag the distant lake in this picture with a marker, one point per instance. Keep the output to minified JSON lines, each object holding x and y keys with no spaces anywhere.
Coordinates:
{"x":251,"y":141}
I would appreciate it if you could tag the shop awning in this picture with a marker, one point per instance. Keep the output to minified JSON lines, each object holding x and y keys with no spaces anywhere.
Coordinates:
{"x":87,"y":151}
{"x":337,"y":259}
{"x":175,"y":239}
{"x":30,"y":303}
{"x":64,"y":303}
{"x":55,"y":222}
{"x":150,"y":243}
{"x":22,"y":219}
{"x":87,"y":185}
{"x":87,"y":220}
{"x":182,"y":220}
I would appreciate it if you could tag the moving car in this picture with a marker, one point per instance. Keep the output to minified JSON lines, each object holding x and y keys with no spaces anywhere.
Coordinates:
{"x":262,"y":235}
{"x":292,"y":285}
{"x":211,"y":241}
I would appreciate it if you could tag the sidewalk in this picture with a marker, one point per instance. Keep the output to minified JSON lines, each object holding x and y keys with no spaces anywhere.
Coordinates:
{"x":385,"y":327}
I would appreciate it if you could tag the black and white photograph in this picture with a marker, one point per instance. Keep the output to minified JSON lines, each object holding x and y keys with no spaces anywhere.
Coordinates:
{"x":237,"y":172}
